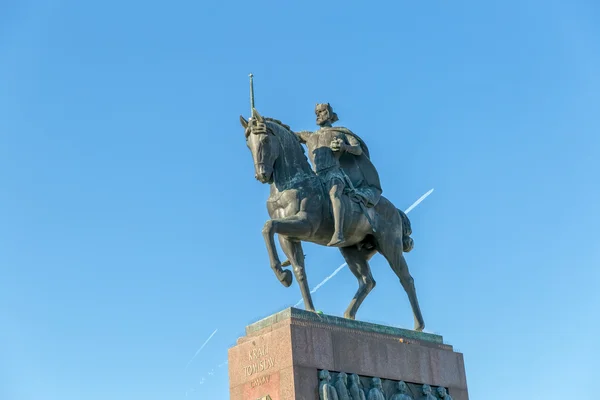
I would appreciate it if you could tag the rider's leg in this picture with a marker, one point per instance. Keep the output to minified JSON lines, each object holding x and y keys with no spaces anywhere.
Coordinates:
{"x":336,"y":190}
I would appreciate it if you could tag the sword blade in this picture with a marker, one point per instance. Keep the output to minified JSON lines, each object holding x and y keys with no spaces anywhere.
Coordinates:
{"x":251,"y":93}
{"x":364,"y":210}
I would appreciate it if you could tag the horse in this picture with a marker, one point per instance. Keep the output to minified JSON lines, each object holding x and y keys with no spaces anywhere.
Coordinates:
{"x":300,"y":211}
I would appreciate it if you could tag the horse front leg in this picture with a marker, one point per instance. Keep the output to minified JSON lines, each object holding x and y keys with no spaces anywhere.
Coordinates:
{"x":291,"y":226}
{"x":293,"y":250}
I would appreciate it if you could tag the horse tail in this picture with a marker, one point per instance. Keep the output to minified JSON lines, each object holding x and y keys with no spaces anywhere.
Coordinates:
{"x":407,"y":242}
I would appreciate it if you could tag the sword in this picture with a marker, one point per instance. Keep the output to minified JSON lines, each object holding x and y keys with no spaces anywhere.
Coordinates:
{"x":251,"y":94}
{"x":360,"y":203}
{"x":364,"y":210}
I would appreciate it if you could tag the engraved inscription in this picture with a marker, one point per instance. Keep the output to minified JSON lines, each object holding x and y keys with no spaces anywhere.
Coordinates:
{"x":260,"y":381}
{"x":259,"y":366}
{"x":258,"y":353}
{"x":260,"y":361}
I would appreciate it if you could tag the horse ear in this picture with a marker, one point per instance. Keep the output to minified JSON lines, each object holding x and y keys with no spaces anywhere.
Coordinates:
{"x":243,"y":122}
{"x":256,"y":115}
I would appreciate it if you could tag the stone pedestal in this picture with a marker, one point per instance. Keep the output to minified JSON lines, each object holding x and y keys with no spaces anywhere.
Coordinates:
{"x":282,"y":357}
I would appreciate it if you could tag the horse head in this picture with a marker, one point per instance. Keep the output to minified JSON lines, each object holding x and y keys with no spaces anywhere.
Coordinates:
{"x":263,"y":145}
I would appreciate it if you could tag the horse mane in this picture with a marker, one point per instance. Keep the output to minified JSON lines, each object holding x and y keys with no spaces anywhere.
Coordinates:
{"x":290,"y":135}
{"x":278,"y":122}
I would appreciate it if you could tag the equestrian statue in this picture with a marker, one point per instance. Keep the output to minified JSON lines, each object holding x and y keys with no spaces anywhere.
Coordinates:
{"x":336,"y":203}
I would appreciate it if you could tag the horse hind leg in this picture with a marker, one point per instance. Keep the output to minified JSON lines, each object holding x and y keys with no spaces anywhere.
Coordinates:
{"x":358,"y":263}
{"x":391,"y":249}
{"x":294,"y":253}
{"x":408,"y":283}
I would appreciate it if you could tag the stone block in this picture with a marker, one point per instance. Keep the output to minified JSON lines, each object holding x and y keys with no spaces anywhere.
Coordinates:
{"x":282,"y":355}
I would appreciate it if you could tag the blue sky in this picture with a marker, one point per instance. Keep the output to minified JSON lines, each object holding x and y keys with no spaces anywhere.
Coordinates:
{"x":130,"y":219}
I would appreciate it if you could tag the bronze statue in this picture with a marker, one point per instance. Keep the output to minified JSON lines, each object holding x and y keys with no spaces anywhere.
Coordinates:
{"x":300,"y":209}
{"x":341,"y":159}
{"x":402,"y":393}
{"x":356,"y":389}
{"x":426,"y":389}
{"x":341,"y":385}
{"x":376,"y":391}
{"x":326,"y":389}
{"x":442,"y":394}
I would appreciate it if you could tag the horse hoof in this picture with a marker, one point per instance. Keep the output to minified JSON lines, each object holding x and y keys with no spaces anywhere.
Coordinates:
{"x":287,"y":278}
{"x":419,"y":327}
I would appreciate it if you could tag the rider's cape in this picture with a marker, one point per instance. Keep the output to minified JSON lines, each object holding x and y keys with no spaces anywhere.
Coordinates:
{"x":360,"y":169}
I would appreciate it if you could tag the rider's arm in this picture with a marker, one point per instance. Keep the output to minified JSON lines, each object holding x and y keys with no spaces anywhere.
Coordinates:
{"x":353,"y":146}
{"x":303,"y":136}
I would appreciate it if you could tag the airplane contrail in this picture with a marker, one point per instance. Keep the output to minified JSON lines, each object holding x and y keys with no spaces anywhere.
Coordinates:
{"x":334,"y":273}
{"x":323,"y":282}
{"x":416,"y":203}
{"x":201,"y":347}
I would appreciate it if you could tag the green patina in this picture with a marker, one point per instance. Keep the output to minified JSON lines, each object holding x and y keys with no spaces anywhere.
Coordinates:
{"x":298,"y":314}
